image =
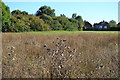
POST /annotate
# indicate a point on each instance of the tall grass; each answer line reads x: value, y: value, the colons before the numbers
x: 25, y: 55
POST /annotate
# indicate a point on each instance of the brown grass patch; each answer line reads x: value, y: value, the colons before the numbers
x: 87, y: 56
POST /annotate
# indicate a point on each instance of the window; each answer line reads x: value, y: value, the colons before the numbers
x: 105, y: 27
x: 100, y: 27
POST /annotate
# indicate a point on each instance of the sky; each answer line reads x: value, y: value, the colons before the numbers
x: 60, y: 0
x: 94, y: 12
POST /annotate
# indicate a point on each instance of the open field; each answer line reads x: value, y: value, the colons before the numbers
x: 72, y: 32
x: 81, y: 55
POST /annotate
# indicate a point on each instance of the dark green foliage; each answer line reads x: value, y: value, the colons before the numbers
x: 81, y: 25
x: 55, y: 25
x: 60, y: 23
x: 67, y: 23
x: 79, y: 18
x: 73, y: 20
x: 25, y: 13
x: 74, y: 15
x: 45, y: 10
x: 71, y: 27
x: 21, y: 23
x: 38, y: 24
x: 6, y: 16
x: 62, y: 15
x: 44, y: 20
x: 112, y: 23
x: 18, y: 24
x: 17, y: 12
x: 114, y: 28
x: 0, y: 16
x: 80, y: 22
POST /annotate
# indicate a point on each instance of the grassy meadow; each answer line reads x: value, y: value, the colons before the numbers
x: 85, y: 54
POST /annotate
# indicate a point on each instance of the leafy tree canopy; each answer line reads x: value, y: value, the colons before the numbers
x: 112, y: 23
x: 79, y: 18
x: 45, y: 10
x: 74, y: 15
x: 6, y: 16
x: 17, y: 12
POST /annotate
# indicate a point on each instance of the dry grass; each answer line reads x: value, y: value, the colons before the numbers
x: 60, y: 56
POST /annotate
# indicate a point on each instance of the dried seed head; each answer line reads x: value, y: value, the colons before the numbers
x: 64, y: 40
x: 101, y: 66
x: 9, y: 54
x: 68, y: 47
x: 74, y: 50
x: 59, y: 66
x: 70, y: 51
x: 13, y: 59
x: 56, y: 51
x: 62, y: 54
x: 65, y: 46
x: 12, y: 51
x: 45, y: 45
x: 12, y: 47
x: 9, y: 48
x: 56, y: 45
x: 48, y: 49
x: 57, y: 38
x: 26, y: 42
x: 53, y: 42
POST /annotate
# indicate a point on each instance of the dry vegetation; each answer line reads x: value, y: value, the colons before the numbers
x: 60, y: 56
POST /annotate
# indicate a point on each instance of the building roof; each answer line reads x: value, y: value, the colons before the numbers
x: 87, y: 24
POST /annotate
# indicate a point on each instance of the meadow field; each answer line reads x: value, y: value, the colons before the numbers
x: 85, y: 54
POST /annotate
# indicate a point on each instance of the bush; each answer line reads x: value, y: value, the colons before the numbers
x: 55, y: 25
x: 67, y: 23
x: 114, y: 28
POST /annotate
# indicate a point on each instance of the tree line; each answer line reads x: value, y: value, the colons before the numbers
x: 43, y: 20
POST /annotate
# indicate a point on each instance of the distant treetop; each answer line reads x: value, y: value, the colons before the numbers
x: 45, y: 10
x: 17, y: 12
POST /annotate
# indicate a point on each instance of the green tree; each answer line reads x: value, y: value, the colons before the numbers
x: 81, y: 25
x: 80, y: 22
x: 45, y: 10
x: 6, y: 16
x: 67, y: 24
x: 73, y: 20
x: 0, y: 16
x: 18, y: 24
x: 74, y: 15
x: 62, y: 15
x: 79, y: 18
x: 46, y: 18
x: 112, y: 23
x: 18, y: 12
x: 38, y: 24
x: 24, y: 13
x: 55, y: 25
